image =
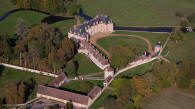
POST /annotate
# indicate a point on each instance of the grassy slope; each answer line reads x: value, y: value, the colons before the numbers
x: 182, y: 50
x: 86, y: 66
x: 170, y: 99
x: 140, y: 12
x: 101, y: 100
x: 13, y: 75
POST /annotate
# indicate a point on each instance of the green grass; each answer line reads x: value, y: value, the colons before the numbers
x: 140, y: 12
x: 139, y: 70
x: 30, y: 18
x: 75, y: 86
x: 131, y: 42
x: 182, y: 51
x: 172, y: 98
x: 5, y: 6
x: 85, y: 65
x: 100, y: 102
x: 8, y: 75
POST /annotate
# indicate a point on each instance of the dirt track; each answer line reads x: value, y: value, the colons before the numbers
x: 102, y: 35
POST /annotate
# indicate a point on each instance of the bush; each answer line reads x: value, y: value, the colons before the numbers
x: 184, y: 23
x: 13, y: 2
x: 191, y: 18
x: 71, y: 67
x: 177, y: 35
x: 178, y: 14
x: 185, y: 82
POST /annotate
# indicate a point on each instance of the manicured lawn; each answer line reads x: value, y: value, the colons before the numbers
x: 8, y: 75
x: 101, y: 101
x: 152, y: 37
x: 172, y: 98
x: 182, y: 51
x: 131, y: 42
x: 85, y: 65
x: 140, y: 12
x: 82, y: 87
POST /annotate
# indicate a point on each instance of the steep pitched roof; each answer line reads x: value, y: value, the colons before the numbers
x: 64, y: 95
x: 93, y: 93
x: 57, y: 81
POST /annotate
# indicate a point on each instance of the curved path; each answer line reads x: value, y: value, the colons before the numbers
x: 102, y: 35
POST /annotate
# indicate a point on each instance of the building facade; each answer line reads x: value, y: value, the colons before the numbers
x: 84, y: 31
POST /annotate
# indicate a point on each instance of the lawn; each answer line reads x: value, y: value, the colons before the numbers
x: 5, y: 6
x: 30, y: 18
x: 131, y: 42
x: 172, y: 98
x: 182, y: 51
x: 85, y: 65
x: 8, y: 75
x: 140, y: 12
x: 82, y: 86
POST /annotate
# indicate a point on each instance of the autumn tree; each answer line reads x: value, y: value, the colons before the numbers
x: 21, y: 29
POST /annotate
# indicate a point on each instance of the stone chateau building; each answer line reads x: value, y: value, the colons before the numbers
x: 97, y: 25
x: 84, y: 32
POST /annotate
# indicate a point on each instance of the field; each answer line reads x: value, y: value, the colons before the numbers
x: 82, y: 87
x: 140, y: 12
x: 5, y: 6
x: 30, y: 18
x: 8, y: 75
x: 172, y: 98
x: 182, y: 51
x: 131, y: 42
x: 85, y: 65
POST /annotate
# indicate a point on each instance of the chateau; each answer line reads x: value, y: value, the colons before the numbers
x: 82, y: 34
x: 97, y: 25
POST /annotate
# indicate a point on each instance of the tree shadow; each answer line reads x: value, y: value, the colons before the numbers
x: 53, y: 19
x: 1, y: 69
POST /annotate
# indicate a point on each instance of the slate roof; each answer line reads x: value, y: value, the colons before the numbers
x: 108, y: 79
x: 109, y: 68
x: 93, y: 93
x: 64, y: 95
x: 81, y: 29
x: 55, y: 83
x: 91, y: 49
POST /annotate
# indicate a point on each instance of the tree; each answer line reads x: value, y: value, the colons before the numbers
x: 191, y: 18
x: 21, y: 29
x: 20, y: 48
x: 69, y: 105
x: 6, y: 45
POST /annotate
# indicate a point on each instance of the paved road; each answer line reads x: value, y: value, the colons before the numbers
x: 94, y: 74
x: 102, y: 35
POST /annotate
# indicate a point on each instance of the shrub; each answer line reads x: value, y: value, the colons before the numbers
x: 191, y: 18
x: 179, y: 14
x: 184, y: 23
x: 177, y: 35
x: 184, y: 82
x: 13, y: 2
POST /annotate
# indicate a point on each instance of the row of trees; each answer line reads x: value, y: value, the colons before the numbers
x: 66, y: 7
x: 38, y: 47
x: 129, y: 93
